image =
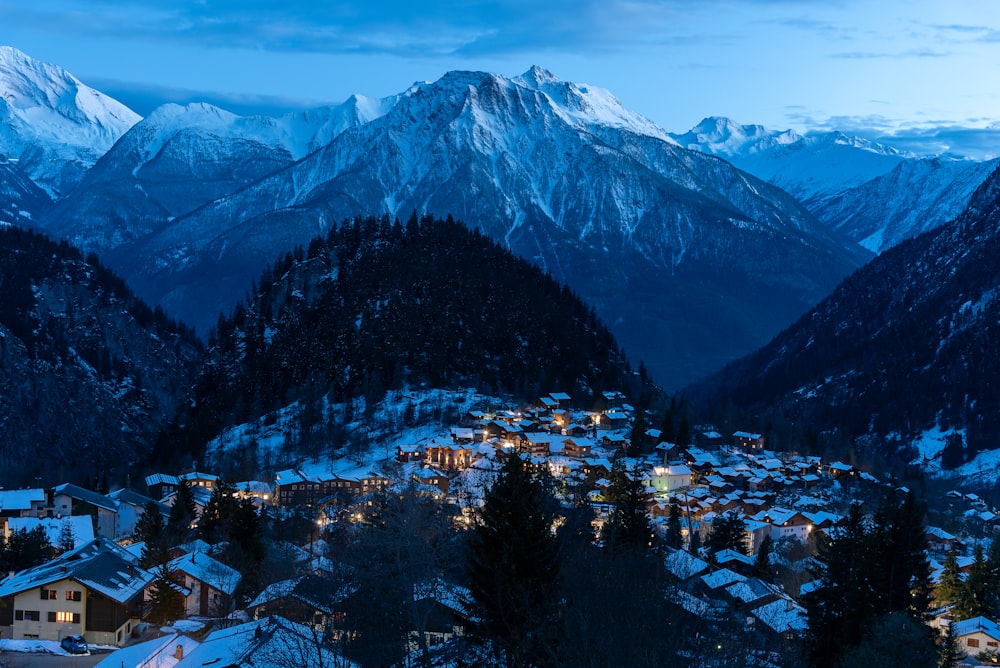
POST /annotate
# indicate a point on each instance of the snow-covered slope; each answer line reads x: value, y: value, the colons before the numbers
x: 666, y: 243
x: 811, y: 168
x: 54, y: 125
x: 182, y: 157
x: 20, y: 199
x: 916, y: 196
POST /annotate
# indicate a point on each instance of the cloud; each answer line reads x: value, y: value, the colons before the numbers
x: 396, y: 27
x: 144, y: 98
x: 909, y: 53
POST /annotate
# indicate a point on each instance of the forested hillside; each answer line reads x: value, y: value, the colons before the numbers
x: 378, y: 305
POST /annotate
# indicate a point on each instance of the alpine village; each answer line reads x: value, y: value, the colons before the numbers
x: 253, y: 415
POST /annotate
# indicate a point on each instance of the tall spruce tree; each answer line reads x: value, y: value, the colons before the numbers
x: 152, y: 533
x: 728, y: 532
x: 674, y: 536
x: 628, y: 527
x: 182, y: 515
x: 513, y: 568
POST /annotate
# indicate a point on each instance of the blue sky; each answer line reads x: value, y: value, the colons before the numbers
x: 921, y: 72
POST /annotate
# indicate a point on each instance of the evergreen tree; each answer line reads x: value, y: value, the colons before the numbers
x: 728, y: 532
x: 513, y: 567
x: 182, y: 515
x: 628, y: 527
x: 24, y: 549
x: 166, y: 602
x: 215, y: 520
x: 951, y: 581
x: 950, y: 655
x: 978, y: 594
x: 674, y: 535
x: 762, y: 567
x: 152, y: 533
x: 637, y: 438
x: 67, y: 537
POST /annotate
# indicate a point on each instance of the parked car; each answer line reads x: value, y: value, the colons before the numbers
x: 74, y: 644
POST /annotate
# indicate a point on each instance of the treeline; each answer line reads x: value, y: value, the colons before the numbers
x: 378, y: 305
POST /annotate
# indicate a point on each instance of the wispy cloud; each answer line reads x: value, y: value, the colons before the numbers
x: 143, y: 98
x: 909, y: 53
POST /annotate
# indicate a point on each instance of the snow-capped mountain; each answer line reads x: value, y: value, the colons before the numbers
x: 55, y: 126
x: 811, y: 168
x: 182, y: 157
x: 916, y: 196
x: 666, y: 243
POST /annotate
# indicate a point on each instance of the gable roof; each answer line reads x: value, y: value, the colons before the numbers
x: 977, y: 625
x: 211, y: 571
x: 100, y: 565
x: 82, y: 527
x: 80, y: 494
x: 20, y: 499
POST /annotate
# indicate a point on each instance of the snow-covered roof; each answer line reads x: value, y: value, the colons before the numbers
x: 100, y: 565
x: 161, y: 479
x: 20, y: 499
x: 211, y: 571
x: 977, y: 625
x: 684, y: 565
x: 82, y: 527
x: 80, y: 494
x: 721, y: 578
x: 750, y: 590
x: 782, y: 616
x: 746, y: 434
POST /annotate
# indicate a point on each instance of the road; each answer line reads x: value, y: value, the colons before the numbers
x: 41, y: 660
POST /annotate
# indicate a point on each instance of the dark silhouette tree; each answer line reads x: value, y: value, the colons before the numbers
x: 513, y: 567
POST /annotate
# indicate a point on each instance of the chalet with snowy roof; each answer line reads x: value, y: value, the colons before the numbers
x: 305, y: 600
x: 720, y: 579
x: 751, y: 593
x: 131, y: 507
x: 683, y: 565
x: 463, y: 435
x: 578, y: 448
x: 208, y: 584
x: 159, y: 485
x: 976, y: 635
x: 536, y: 444
x: 260, y: 491
x: 561, y: 398
x: 734, y: 561
x: 71, y: 499
x: 574, y: 430
x: 787, y: 524
x: 708, y: 437
x: 748, y: 441
x: 782, y: 617
x: 940, y: 541
x: 840, y: 469
x: 95, y: 591
x: 22, y: 503
x: 613, y: 420
x: 200, y: 479
x: 432, y: 477
x: 272, y: 641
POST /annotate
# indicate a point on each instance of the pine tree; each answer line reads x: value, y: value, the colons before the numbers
x: 182, y: 515
x: 67, y: 537
x: 513, y: 567
x: 950, y: 655
x: 166, y: 603
x: 152, y: 533
x: 674, y: 535
x: 215, y: 520
x: 729, y: 532
x: 762, y: 567
x: 951, y: 581
x: 978, y: 594
x: 637, y: 438
x: 628, y: 527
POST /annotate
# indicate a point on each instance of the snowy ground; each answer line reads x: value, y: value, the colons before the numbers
x: 42, y: 646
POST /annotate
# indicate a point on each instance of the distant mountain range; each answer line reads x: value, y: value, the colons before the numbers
x: 873, y: 194
x: 691, y: 261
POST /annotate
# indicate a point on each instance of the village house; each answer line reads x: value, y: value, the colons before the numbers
x: 159, y: 485
x: 666, y: 479
x: 448, y: 456
x: 976, y: 635
x: 208, y: 584
x: 577, y: 448
x: 748, y: 441
x: 22, y: 503
x: 80, y: 528
x: 409, y: 453
x: 71, y: 499
x: 95, y: 591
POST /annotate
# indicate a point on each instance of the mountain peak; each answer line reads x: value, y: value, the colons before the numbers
x: 55, y: 115
x: 537, y: 76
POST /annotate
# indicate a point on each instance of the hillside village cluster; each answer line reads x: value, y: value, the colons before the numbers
x: 94, y: 587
